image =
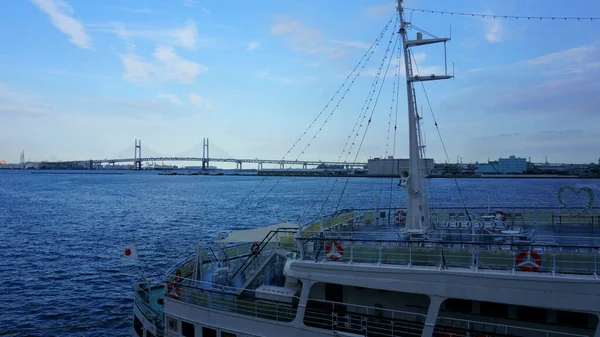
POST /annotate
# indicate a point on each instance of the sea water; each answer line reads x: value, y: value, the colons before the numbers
x: 62, y: 236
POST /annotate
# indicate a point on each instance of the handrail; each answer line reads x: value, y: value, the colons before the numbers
x: 231, y: 299
x: 474, y: 257
x: 464, y: 243
x: 261, y: 246
x: 506, y: 327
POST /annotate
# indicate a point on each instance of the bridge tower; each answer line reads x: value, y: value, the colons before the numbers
x: 137, y: 156
x: 205, y: 154
x: 22, y: 160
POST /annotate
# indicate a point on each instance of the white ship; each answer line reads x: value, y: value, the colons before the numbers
x: 386, y: 272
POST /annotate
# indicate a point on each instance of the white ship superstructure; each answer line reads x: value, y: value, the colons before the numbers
x: 387, y: 272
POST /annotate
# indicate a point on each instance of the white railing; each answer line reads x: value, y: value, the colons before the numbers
x: 444, y: 216
x: 144, y: 306
x: 474, y: 328
x: 216, y: 296
x: 538, y: 259
x: 363, y: 320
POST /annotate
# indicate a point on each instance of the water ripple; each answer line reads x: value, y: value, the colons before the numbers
x: 62, y: 236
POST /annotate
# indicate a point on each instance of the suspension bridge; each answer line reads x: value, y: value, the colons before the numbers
x: 205, y: 160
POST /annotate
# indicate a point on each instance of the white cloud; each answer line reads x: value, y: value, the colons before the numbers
x: 266, y: 74
x: 187, y: 36
x: 172, y: 98
x: 578, y: 60
x: 14, y: 102
x: 310, y: 40
x: 190, y: 3
x: 253, y: 45
x: 385, y: 9
x: 144, y: 10
x: 198, y: 101
x: 352, y: 43
x: 493, y: 30
x: 166, y: 66
x: 61, y: 15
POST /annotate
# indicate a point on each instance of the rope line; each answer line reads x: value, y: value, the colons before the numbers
x: 364, y: 110
x: 397, y: 89
x: 389, y: 131
x: 393, y: 50
x: 71, y: 326
x: 442, y: 142
x: 360, y: 116
x: 496, y: 16
x: 365, y: 55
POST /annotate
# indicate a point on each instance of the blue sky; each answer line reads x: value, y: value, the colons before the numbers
x: 83, y: 79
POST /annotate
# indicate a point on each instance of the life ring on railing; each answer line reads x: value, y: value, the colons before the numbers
x: 502, y: 214
x: 254, y: 248
x: 529, y: 260
x: 400, y: 215
x: 449, y: 333
x: 178, y: 277
x: 334, y: 251
x: 173, y: 290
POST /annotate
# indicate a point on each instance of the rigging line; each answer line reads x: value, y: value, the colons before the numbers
x: 387, y: 141
x: 443, y: 144
x: 397, y: 89
x: 370, y: 118
x: 422, y: 147
x: 71, y: 326
x: 496, y: 16
x: 368, y: 55
x: 366, y: 106
x: 422, y: 31
x: 361, y: 115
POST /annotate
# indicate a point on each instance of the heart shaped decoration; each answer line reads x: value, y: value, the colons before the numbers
x: 587, y: 190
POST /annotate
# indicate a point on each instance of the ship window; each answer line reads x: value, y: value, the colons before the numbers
x: 456, y: 305
x: 531, y: 314
x: 576, y: 319
x: 208, y: 332
x: 138, y: 326
x: 188, y: 329
x: 172, y: 323
x: 494, y: 309
x: 228, y: 334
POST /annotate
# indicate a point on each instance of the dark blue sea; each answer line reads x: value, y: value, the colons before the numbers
x: 62, y: 236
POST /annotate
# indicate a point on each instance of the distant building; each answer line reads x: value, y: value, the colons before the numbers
x: 512, y: 165
x: 487, y: 168
x: 393, y: 167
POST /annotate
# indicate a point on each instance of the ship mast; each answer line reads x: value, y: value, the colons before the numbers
x: 417, y: 213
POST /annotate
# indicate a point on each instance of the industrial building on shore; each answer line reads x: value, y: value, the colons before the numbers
x: 394, y: 167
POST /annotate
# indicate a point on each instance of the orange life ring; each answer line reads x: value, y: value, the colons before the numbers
x: 334, y: 251
x: 178, y: 277
x: 173, y: 290
x: 254, y: 248
x: 449, y: 333
x: 529, y: 260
